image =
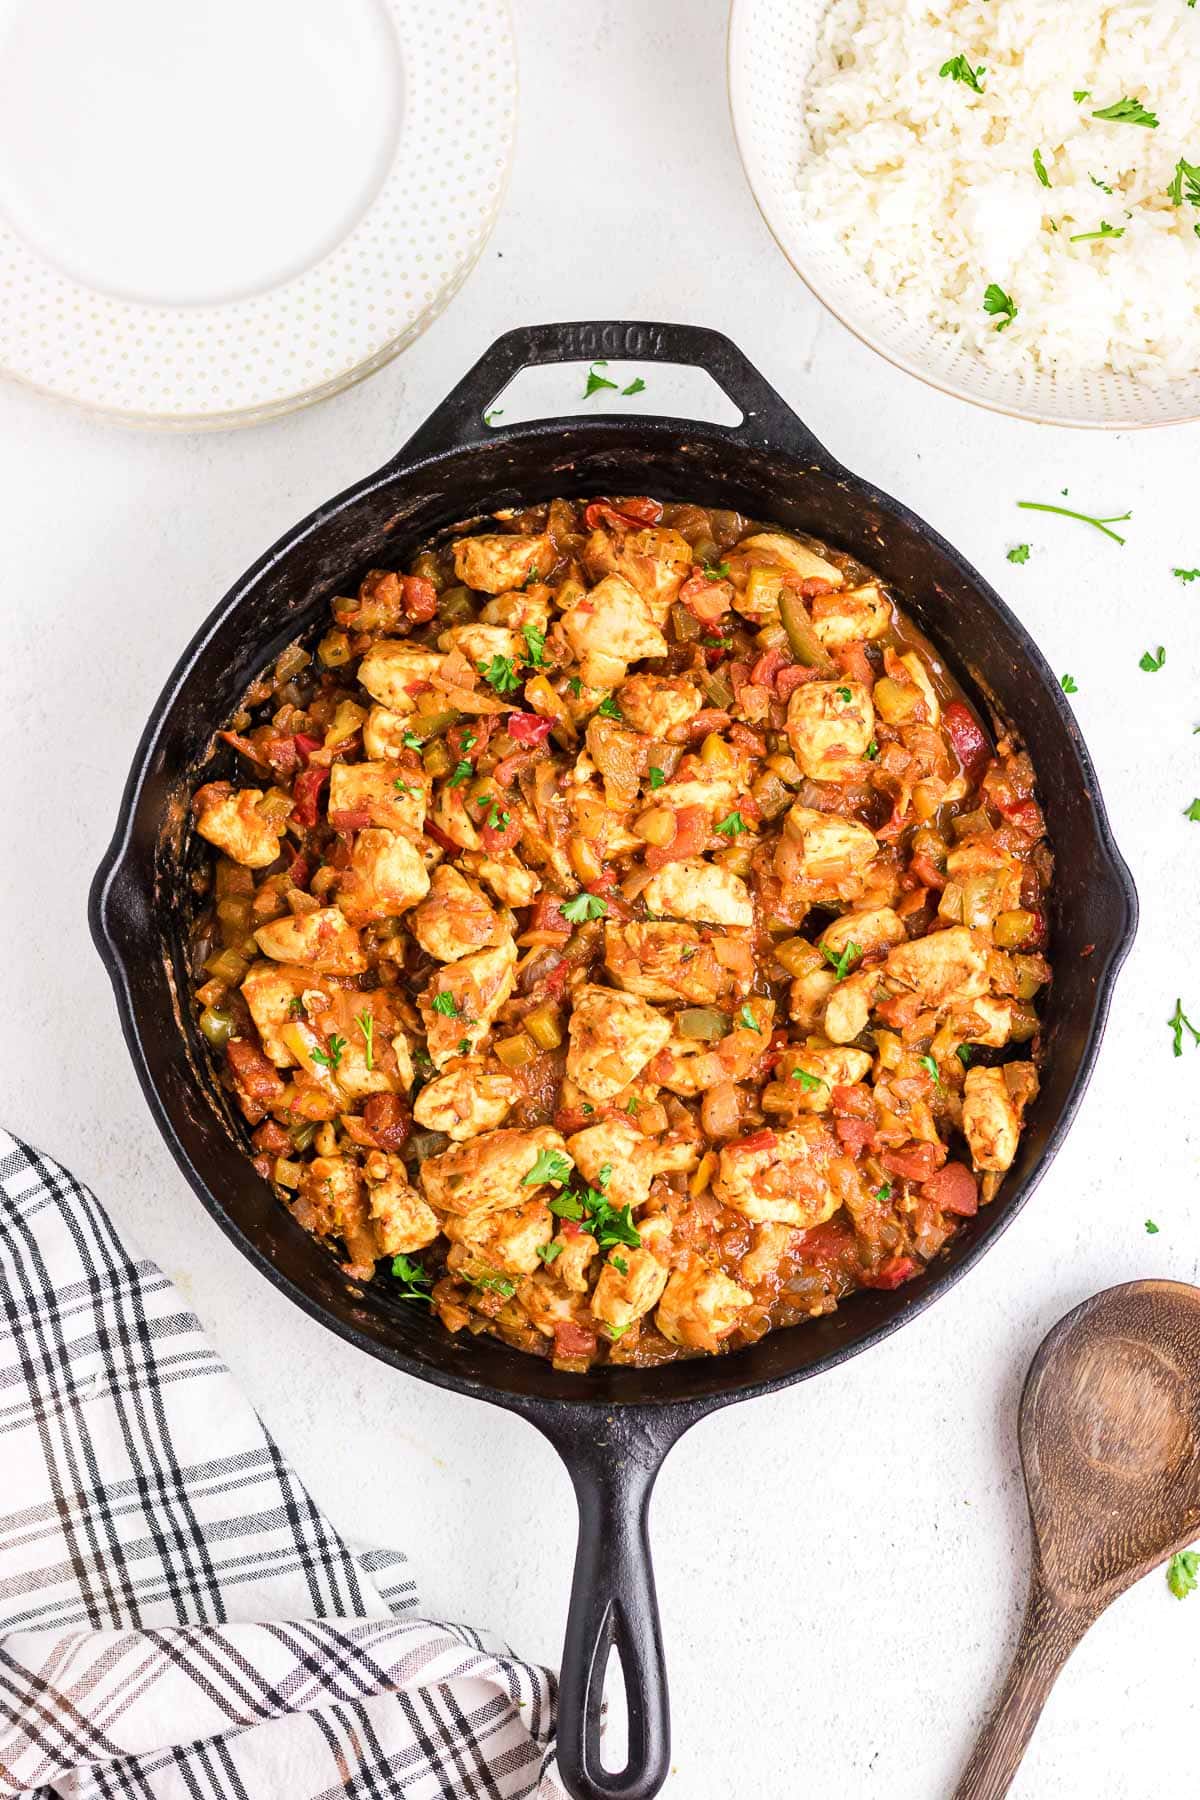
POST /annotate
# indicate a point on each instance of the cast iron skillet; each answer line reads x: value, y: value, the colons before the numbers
x: 614, y: 1427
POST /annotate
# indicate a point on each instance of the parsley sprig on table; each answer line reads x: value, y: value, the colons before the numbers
x: 596, y: 382
x: 1179, y: 1023
x: 1068, y: 684
x: 1066, y: 512
x: 1149, y: 660
x: 1181, y: 1573
x: 1019, y: 553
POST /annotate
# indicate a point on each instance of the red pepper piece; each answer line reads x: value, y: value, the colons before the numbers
x: 528, y: 728
x: 968, y: 738
x: 306, y: 792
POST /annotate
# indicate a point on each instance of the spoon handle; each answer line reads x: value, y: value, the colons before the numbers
x: 1049, y: 1633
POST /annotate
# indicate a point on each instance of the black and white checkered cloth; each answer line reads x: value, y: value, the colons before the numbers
x: 177, y: 1619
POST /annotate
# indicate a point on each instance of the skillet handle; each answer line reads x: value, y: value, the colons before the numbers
x: 613, y: 1462
x: 458, y: 422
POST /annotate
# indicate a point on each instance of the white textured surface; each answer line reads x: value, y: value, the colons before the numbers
x: 840, y: 1567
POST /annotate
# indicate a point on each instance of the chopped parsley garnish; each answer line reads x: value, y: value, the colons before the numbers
x: 1106, y: 231
x: 496, y: 1284
x: 551, y: 1165
x: 566, y: 1205
x: 501, y: 675
x: 809, y: 1083
x: 1081, y: 94
x: 731, y: 826
x: 1185, y: 184
x: 295, y: 1007
x: 1193, y: 812
x: 1068, y: 684
x: 464, y: 1046
x: 631, y: 1106
x: 871, y: 751
x: 613, y: 1332
x: 494, y: 819
x: 884, y: 1193
x: 715, y: 571
x: 636, y: 386
x: 1151, y: 1228
x: 619, y: 1264
x: 959, y: 69
x: 931, y: 1069
x: 401, y: 786
x: 1084, y: 518
x: 1019, y: 553
x: 535, y: 644
x: 842, y: 965
x: 1149, y: 661
x: 366, y: 1024
x: 446, y: 1004
x: 463, y: 771
x: 1127, y: 112
x: 412, y: 1275
x: 411, y: 741
x: 1102, y: 185
x: 596, y: 382
x: 657, y: 778
x: 1040, y: 169
x: 844, y: 695
x: 575, y: 685
x: 1179, y: 1022
x: 1186, y: 574
x: 331, y: 1056
x: 549, y: 1251
x: 747, y: 1019
x: 965, y: 1053
x: 608, y: 708
x: 497, y: 412
x: 583, y: 906
x: 999, y: 305
x: 1181, y: 1573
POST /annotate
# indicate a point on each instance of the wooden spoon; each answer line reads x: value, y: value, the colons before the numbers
x: 1110, y: 1444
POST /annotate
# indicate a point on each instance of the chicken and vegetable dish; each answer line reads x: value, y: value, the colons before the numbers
x: 622, y: 935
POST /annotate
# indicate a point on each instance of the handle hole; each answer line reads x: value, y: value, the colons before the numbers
x: 614, y: 1716
x: 558, y: 390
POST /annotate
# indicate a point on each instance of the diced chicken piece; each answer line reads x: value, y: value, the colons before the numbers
x: 507, y: 1240
x: 767, y: 1252
x: 690, y: 1067
x: 621, y: 755
x: 454, y: 918
x: 321, y: 940
x: 631, y: 1283
x: 548, y: 1302
x: 576, y: 1249
x: 697, y: 783
x: 872, y: 931
x: 387, y: 875
x: 383, y: 735
x: 231, y: 820
x: 388, y: 1065
x: 393, y: 673
x: 991, y: 1022
x: 849, y: 1006
x: 946, y: 965
x: 516, y: 610
x: 700, y: 1306
x: 273, y: 993
x: 618, y: 1146
x: 697, y: 890
x: 655, y: 561
x: 391, y: 800
x: 666, y: 962
x: 488, y: 1172
x: 984, y: 882
x: 608, y: 629
x: 919, y: 675
x: 830, y: 849
x: 851, y: 615
x: 783, y: 552
x: 656, y: 705
x: 825, y: 1066
x: 466, y: 1100
x: 808, y: 995
x: 496, y: 562
x: 403, y: 1221
x: 780, y: 1176
x: 511, y: 882
x: 479, y: 643
x: 463, y: 998
x: 450, y: 815
x: 829, y: 726
x: 613, y: 1035
x: 990, y: 1121
x: 332, y: 1204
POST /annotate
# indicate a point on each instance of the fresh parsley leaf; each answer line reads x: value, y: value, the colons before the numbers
x: 366, y: 1024
x: 596, y: 382
x: 1068, y: 684
x: 1019, y: 553
x: 575, y: 685
x: 464, y: 1046
x: 1186, y: 574
x: 493, y: 819
x: 295, y: 1007
x: 808, y: 1083
x: 636, y: 386
x: 871, y: 751
x: 1193, y: 812
x: 959, y: 69
x: 1084, y: 518
x: 583, y: 906
x: 1181, y: 1573
x: 715, y: 571
x: 608, y: 708
x: 446, y: 1004
x: 411, y: 741
x: 501, y: 675
x: 619, y: 1264
x: 631, y: 1106
x: 1106, y: 231
x: 549, y: 1251
x: 412, y: 1275
x: 1151, y: 1228
x: 604, y: 1177
x: 550, y: 1165
x: 657, y: 778
x: 535, y: 644
x: 884, y: 1193
x: 1081, y: 94
x: 1102, y: 185
x: 731, y: 826
x: 999, y: 305
x: 931, y: 1069
x: 566, y: 1205
x: 331, y: 1056
x: 613, y: 1332
x: 496, y: 1284
x: 463, y: 771
x: 401, y: 786
x: 1127, y: 112
x: 1179, y: 1022
x: 965, y: 1053
x: 844, y: 695
x: 1149, y: 661
x: 1040, y: 169
x: 842, y: 965
x: 610, y: 1225
x: 747, y: 1020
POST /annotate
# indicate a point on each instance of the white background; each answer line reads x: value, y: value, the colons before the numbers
x: 841, y: 1567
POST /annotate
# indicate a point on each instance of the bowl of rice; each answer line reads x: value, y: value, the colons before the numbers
x: 1000, y: 196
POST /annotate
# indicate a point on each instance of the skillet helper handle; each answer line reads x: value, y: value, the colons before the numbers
x: 459, y: 421
x: 1049, y: 1633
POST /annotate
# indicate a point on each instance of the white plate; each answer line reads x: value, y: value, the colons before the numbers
x: 771, y: 48
x: 213, y: 213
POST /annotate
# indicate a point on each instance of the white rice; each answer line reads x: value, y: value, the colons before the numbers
x: 931, y: 188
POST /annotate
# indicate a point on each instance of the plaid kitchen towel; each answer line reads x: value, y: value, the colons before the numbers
x: 177, y: 1619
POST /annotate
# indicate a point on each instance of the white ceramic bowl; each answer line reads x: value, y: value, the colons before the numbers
x: 771, y: 48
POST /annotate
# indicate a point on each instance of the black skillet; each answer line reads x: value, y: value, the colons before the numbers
x: 614, y: 1427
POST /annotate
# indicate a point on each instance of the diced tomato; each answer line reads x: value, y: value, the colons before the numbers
x: 926, y: 872
x: 852, y: 660
x: 953, y: 1190
x: 301, y: 872
x: 271, y: 1136
x: 632, y: 514
x: 388, y: 1119
x: 255, y: 1076
x: 745, y: 739
x: 692, y: 831
x: 509, y: 767
x: 828, y: 1245
x: 1026, y: 815
x: 899, y: 1010
x: 968, y: 738
x: 917, y: 1163
x: 706, y: 600
x: 713, y: 718
x: 501, y: 836
x: 813, y: 585
x: 439, y: 836
x: 855, y: 1102
x: 764, y: 671
x: 470, y: 738
x: 350, y: 818
x: 306, y: 792
x: 527, y: 728
x: 282, y: 754
x: 893, y: 1273
x: 760, y: 1140
x: 856, y: 1134
x: 547, y: 915
x: 568, y: 1120
x: 792, y: 677
x: 306, y: 744
x: 572, y: 1340
x: 420, y: 598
